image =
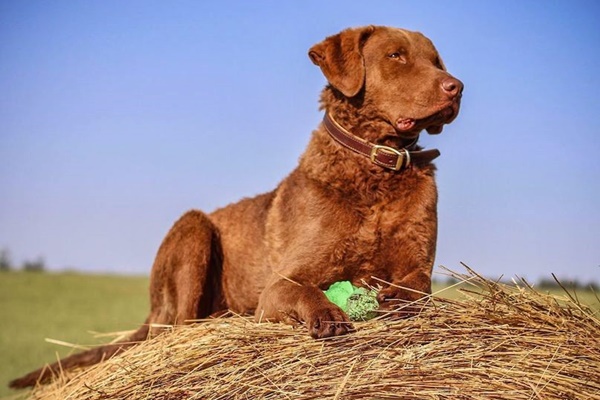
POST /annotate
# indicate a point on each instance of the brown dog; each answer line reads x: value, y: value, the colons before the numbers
x: 361, y: 203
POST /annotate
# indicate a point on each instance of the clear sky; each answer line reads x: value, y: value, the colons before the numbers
x: 118, y: 116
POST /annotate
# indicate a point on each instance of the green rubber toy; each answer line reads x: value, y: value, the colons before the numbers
x: 359, y: 304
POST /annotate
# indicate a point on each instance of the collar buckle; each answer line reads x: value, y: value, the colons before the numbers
x: 402, y: 157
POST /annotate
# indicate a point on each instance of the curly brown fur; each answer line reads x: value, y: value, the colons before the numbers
x: 337, y: 216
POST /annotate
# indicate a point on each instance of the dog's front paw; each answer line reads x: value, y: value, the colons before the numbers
x: 327, y: 322
x: 402, y: 302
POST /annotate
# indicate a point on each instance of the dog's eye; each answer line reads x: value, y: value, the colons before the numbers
x: 398, y: 56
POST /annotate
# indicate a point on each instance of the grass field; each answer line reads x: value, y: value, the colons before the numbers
x: 68, y: 306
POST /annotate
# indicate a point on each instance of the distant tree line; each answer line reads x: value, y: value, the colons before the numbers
x: 37, y: 265
x: 549, y: 283
x: 542, y: 284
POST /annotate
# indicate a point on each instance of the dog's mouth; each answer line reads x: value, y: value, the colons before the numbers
x: 434, y: 123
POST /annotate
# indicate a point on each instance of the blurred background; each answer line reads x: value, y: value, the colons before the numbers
x: 116, y: 116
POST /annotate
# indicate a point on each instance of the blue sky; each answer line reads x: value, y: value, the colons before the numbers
x: 118, y: 116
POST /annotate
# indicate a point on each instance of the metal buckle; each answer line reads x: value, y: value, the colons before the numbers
x: 403, y: 159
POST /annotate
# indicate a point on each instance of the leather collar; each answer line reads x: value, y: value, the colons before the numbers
x: 384, y: 156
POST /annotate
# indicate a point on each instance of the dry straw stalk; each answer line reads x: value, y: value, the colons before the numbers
x: 498, y: 342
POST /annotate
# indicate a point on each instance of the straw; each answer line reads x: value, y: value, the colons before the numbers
x: 499, y: 341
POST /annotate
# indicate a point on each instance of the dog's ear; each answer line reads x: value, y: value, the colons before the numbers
x: 341, y: 61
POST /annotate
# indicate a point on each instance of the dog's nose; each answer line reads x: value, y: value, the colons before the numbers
x: 452, y: 87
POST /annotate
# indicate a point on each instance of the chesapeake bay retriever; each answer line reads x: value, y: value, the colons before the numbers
x: 361, y: 203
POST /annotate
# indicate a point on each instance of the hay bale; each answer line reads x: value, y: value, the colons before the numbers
x: 500, y: 342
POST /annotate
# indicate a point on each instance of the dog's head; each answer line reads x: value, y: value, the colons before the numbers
x: 397, y: 72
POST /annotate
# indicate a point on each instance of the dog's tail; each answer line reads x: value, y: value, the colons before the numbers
x: 84, y: 359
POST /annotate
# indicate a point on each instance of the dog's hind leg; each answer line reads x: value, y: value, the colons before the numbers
x: 185, y: 280
x: 184, y: 285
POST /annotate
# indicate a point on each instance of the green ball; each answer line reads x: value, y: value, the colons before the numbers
x: 339, y: 292
x: 362, y: 305
x: 359, y: 303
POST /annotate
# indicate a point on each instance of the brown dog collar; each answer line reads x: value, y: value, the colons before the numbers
x: 384, y: 156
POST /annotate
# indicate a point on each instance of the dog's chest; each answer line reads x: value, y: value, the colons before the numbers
x: 364, y: 249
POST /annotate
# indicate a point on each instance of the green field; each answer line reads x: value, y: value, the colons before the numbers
x: 66, y: 307
x: 69, y: 306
